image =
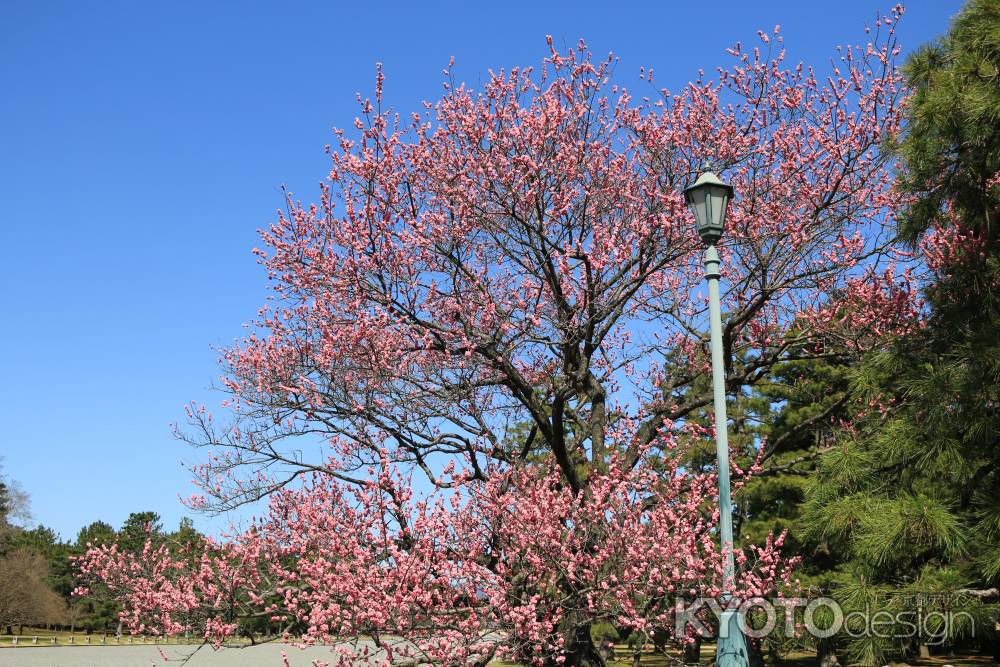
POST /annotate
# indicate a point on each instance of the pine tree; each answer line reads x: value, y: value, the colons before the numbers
x: 908, y: 499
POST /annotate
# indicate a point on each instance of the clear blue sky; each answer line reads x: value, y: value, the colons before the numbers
x: 143, y: 143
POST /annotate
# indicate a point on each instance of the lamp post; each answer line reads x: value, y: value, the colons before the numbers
x: 709, y: 199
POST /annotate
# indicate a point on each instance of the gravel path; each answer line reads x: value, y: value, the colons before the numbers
x: 265, y: 655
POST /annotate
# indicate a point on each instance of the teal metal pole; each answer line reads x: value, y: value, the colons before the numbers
x: 731, y: 648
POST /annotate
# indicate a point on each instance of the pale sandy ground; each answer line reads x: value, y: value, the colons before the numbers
x: 265, y: 655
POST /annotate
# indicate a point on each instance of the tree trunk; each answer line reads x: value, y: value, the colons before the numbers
x: 925, y: 652
x: 692, y: 651
x: 579, y: 647
x: 826, y: 656
x: 754, y: 652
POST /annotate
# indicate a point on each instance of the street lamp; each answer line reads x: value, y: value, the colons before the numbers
x: 709, y: 199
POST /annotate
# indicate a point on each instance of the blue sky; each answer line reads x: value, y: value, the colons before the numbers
x: 142, y: 145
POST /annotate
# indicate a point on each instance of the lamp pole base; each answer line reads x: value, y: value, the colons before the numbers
x: 731, y: 647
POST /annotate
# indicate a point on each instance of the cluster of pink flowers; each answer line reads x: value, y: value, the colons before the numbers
x: 951, y: 245
x: 488, y: 571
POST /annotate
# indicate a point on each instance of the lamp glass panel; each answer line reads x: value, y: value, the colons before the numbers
x: 719, y: 197
x: 699, y: 205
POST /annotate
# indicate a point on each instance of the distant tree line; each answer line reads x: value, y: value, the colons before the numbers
x: 37, y: 576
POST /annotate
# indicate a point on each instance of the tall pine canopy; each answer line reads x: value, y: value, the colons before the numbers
x: 910, y: 499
